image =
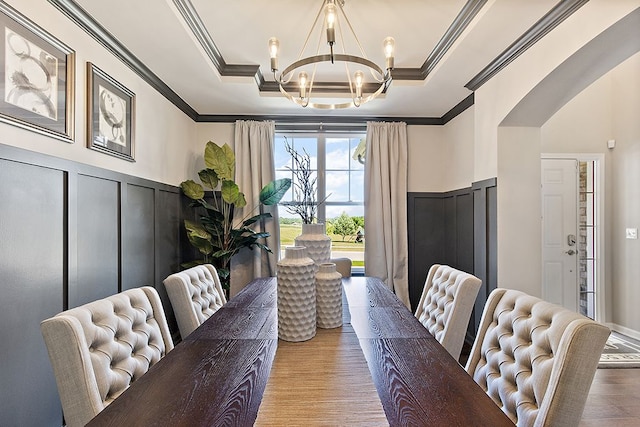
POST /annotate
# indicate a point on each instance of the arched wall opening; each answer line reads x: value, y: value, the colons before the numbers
x: 519, y: 149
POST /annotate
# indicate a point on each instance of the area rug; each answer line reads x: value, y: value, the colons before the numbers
x: 620, y: 352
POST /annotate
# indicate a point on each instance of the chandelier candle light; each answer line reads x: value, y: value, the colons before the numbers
x: 355, y: 83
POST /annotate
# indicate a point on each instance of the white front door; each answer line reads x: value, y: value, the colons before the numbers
x: 559, y: 232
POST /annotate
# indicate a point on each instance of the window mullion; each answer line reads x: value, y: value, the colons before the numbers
x: 322, y: 167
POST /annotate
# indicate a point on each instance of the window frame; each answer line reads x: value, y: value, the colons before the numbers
x: 321, y: 167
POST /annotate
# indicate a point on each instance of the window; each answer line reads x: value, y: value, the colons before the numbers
x: 340, y: 183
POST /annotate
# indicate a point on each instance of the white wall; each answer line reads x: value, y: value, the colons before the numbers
x: 161, y: 130
x: 519, y: 240
x: 441, y: 157
x: 626, y: 196
x: 426, y: 166
x: 497, y: 97
x: 610, y: 109
x: 584, y: 125
x: 458, y: 147
x: 519, y: 226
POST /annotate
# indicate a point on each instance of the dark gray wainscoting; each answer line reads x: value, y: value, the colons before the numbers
x: 457, y: 228
x: 70, y: 234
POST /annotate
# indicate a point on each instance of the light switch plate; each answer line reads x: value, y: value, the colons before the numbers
x: 632, y: 233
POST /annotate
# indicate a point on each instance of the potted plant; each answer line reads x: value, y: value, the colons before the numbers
x: 218, y: 236
x: 313, y: 235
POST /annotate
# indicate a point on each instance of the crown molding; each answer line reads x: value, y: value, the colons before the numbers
x: 457, y: 27
x: 220, y: 118
x: 298, y: 119
x: 85, y: 21
x: 548, y: 22
x: 553, y: 18
x: 199, y: 30
x: 458, y: 109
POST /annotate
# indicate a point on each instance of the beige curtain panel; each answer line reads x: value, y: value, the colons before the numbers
x: 254, y: 145
x: 385, y: 206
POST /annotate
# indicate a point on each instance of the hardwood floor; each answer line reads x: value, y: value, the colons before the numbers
x: 614, y: 399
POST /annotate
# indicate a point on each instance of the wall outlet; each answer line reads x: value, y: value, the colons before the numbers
x: 632, y: 233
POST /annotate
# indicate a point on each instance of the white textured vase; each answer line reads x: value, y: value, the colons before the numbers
x: 316, y: 241
x: 296, y: 295
x: 328, y: 296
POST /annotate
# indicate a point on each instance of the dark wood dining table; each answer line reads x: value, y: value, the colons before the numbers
x: 218, y: 375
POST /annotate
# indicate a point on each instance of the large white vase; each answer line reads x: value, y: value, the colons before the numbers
x: 296, y: 295
x: 316, y: 241
x: 328, y: 296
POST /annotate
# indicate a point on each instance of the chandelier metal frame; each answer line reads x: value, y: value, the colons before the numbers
x: 382, y: 78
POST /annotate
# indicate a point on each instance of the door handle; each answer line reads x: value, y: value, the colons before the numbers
x: 571, y: 252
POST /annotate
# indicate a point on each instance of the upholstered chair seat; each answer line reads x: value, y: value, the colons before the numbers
x: 98, y: 349
x: 536, y: 360
x: 195, y: 294
x: 446, y: 303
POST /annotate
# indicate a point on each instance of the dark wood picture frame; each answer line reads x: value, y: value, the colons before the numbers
x: 37, y: 77
x: 110, y: 115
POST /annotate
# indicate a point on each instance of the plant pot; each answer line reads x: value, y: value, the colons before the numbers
x: 316, y: 241
x: 296, y: 295
x: 328, y: 296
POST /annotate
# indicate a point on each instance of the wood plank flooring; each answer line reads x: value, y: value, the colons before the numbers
x: 614, y: 399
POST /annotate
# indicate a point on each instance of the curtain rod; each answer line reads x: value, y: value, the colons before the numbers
x: 321, y: 127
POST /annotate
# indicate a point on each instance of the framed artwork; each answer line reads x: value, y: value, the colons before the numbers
x: 37, y: 74
x: 110, y: 115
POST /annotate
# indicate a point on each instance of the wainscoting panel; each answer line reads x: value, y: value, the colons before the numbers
x: 98, y: 240
x: 70, y: 234
x: 32, y: 275
x: 168, y: 243
x: 485, y: 204
x: 464, y: 232
x: 426, y: 218
x: 138, y: 236
x: 457, y: 228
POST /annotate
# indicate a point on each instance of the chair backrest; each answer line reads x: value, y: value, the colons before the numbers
x: 98, y: 349
x: 343, y: 266
x: 535, y: 359
x: 446, y: 304
x: 195, y: 294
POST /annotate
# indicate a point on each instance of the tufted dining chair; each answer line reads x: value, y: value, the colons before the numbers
x: 195, y: 294
x: 98, y: 349
x: 446, y: 303
x: 536, y: 360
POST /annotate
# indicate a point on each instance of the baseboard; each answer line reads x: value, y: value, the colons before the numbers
x: 625, y: 331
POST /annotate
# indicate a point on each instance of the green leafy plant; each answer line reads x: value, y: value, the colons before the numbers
x: 217, y: 236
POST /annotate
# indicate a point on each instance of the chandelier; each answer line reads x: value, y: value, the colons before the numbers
x: 360, y: 88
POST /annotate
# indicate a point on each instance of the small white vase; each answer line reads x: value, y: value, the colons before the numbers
x: 296, y: 295
x: 316, y: 241
x: 328, y: 296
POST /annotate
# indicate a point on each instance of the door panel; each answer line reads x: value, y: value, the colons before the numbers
x: 559, y: 222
